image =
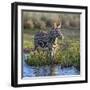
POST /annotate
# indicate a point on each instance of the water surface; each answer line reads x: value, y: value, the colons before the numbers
x: 51, y: 70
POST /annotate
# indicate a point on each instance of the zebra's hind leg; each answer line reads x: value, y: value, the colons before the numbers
x: 36, y: 50
x: 48, y: 54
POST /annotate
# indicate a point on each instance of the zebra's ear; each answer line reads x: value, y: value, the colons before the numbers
x: 55, y: 25
x: 59, y: 26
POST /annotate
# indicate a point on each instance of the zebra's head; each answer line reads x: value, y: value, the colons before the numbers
x: 56, y: 32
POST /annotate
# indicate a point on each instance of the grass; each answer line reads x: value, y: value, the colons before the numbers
x: 68, y: 53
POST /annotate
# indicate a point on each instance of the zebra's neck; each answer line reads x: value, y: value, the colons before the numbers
x: 52, y: 40
x: 51, y: 36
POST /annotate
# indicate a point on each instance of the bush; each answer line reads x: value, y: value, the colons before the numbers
x: 39, y: 24
x: 28, y: 24
x: 38, y: 59
x: 45, y: 20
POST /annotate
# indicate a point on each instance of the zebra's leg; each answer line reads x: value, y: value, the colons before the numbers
x: 38, y: 51
x: 48, y: 54
x: 51, y: 56
x: 54, y: 52
x: 43, y: 51
x: 35, y: 48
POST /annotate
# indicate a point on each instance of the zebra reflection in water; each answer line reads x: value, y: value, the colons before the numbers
x: 51, y: 70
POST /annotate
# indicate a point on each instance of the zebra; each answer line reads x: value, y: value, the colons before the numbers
x: 48, y: 40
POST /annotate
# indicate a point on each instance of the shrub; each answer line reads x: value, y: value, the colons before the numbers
x: 39, y: 24
x: 46, y: 20
x: 28, y: 24
x: 38, y: 59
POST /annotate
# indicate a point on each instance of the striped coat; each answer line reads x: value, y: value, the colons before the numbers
x: 46, y: 39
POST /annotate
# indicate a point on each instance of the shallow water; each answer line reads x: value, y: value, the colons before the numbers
x: 51, y: 70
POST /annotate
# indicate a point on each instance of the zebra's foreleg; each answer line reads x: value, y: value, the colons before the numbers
x: 48, y: 54
x: 51, y: 56
x: 52, y: 53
